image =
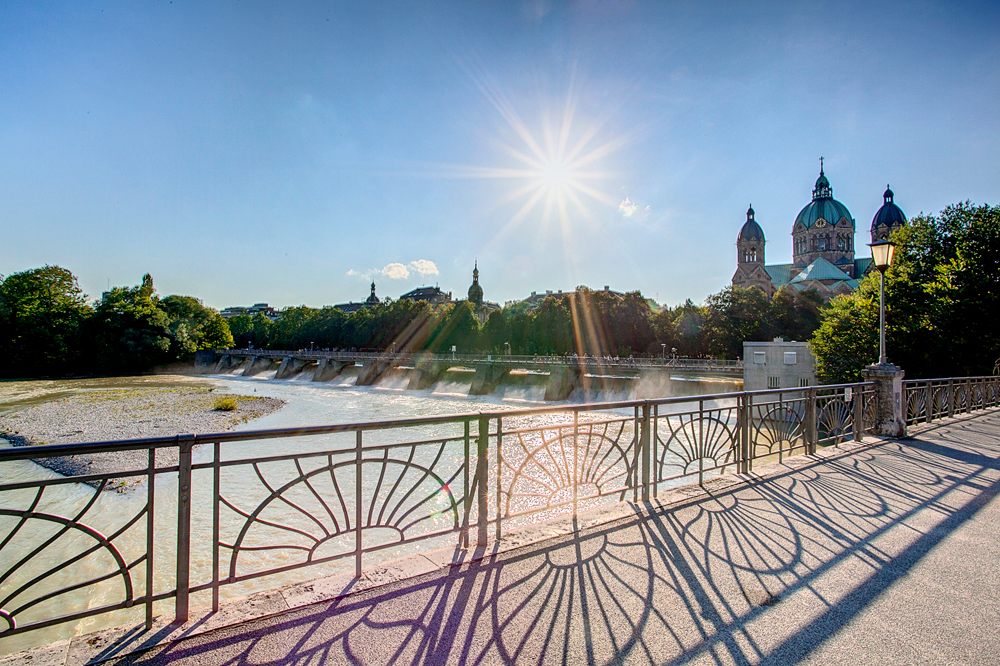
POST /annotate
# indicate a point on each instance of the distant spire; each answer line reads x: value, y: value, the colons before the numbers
x: 821, y: 165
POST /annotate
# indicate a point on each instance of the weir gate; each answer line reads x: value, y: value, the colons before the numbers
x: 564, y: 374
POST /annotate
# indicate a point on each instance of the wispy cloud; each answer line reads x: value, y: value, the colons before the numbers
x: 424, y: 267
x: 629, y: 208
x: 352, y: 272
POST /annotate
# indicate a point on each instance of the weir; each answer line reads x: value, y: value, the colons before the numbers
x: 561, y: 375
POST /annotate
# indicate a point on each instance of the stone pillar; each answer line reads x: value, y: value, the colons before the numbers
x: 890, y: 421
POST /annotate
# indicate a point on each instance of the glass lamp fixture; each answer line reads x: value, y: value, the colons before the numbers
x: 882, y: 253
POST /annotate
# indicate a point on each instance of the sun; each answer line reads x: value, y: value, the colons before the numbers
x: 556, y: 176
x: 555, y: 165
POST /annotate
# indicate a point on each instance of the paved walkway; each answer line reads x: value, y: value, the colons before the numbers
x: 885, y: 554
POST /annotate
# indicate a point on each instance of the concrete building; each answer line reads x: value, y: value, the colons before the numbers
x: 777, y: 364
x: 254, y: 309
x: 822, y: 246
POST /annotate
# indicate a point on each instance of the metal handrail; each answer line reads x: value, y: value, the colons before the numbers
x: 435, y: 480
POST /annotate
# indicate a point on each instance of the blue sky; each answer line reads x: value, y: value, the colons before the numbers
x: 289, y: 152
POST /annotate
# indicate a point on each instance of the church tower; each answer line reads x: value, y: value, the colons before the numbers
x: 750, y: 271
x: 475, y: 291
x: 888, y: 218
x: 372, y: 300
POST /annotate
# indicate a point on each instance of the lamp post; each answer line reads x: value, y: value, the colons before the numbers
x: 664, y: 345
x: 882, y: 252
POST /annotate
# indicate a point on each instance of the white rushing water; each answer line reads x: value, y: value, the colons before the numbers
x: 308, y: 403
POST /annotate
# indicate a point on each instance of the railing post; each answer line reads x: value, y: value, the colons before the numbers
x: 751, y: 443
x: 184, y: 445
x: 358, y: 546
x: 812, y: 435
x: 951, y: 398
x: 645, y: 449
x: 467, y: 501
x: 858, y: 407
x: 482, y: 470
x: 929, y: 402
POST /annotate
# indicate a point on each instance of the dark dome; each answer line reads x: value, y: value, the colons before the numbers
x: 751, y: 231
x: 889, y: 214
x: 823, y: 206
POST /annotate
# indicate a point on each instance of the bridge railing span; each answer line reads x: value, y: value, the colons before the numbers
x: 220, y: 514
x: 930, y: 399
x: 644, y: 362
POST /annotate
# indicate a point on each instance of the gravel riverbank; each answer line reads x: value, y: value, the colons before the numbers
x: 128, y: 413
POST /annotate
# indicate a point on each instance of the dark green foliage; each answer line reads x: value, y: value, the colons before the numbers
x: 46, y: 327
x: 942, y: 302
x: 42, y: 318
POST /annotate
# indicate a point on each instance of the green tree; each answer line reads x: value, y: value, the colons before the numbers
x: 194, y: 327
x: 942, y: 302
x: 130, y: 331
x: 796, y: 313
x: 247, y: 330
x: 43, y: 314
x: 734, y: 316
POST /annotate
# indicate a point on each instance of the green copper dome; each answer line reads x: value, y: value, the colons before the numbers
x: 823, y: 206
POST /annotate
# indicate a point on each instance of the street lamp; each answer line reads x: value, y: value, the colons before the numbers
x: 882, y: 252
x: 664, y: 345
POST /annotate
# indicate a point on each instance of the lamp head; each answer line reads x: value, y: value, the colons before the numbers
x: 882, y: 253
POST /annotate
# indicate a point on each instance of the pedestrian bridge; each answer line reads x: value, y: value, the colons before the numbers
x: 822, y: 543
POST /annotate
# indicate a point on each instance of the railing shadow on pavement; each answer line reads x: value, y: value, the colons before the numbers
x: 667, y: 587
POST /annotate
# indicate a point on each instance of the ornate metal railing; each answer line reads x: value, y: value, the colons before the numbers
x: 194, y: 514
x: 930, y: 399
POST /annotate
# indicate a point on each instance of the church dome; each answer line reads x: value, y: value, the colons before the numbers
x: 823, y: 206
x: 751, y: 231
x: 889, y: 214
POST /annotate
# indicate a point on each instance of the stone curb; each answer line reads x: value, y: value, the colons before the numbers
x: 117, y: 642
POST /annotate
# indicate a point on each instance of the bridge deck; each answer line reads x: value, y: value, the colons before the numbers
x: 880, y: 552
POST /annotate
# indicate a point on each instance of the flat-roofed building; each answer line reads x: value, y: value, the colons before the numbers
x: 777, y: 364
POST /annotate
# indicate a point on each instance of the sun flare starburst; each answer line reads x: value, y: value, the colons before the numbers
x: 557, y: 165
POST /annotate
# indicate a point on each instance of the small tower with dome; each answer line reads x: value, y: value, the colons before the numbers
x: 475, y: 291
x: 372, y: 299
x: 888, y: 218
x: 750, y: 270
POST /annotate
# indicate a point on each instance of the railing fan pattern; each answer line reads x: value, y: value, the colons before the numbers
x: 196, y: 514
x: 930, y: 399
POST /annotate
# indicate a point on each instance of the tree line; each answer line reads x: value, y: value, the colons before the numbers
x: 48, y: 327
x: 595, y: 323
x: 942, y: 295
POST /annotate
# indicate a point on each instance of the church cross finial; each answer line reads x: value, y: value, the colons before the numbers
x: 821, y: 164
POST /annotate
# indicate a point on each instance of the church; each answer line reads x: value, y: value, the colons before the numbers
x: 822, y: 246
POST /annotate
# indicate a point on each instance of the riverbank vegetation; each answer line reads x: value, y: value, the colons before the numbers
x: 48, y: 327
x: 942, y: 295
x: 943, y: 318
